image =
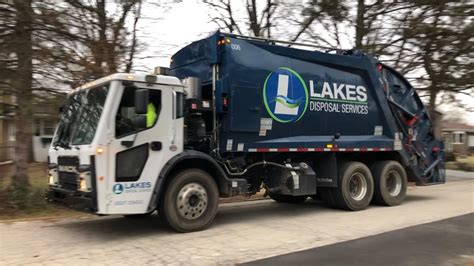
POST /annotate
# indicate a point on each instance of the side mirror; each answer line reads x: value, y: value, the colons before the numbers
x: 141, y: 101
x: 139, y: 121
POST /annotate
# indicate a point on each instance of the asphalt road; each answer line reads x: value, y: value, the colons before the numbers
x: 242, y: 232
x: 446, y: 242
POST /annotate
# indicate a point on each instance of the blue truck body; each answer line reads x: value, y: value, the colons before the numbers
x: 270, y: 98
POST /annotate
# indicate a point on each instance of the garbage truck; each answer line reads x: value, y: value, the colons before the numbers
x: 237, y: 115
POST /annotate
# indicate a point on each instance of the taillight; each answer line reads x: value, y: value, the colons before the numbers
x: 411, y: 121
x: 379, y: 67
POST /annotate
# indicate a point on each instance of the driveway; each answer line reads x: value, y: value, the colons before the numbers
x: 242, y: 232
x: 445, y: 242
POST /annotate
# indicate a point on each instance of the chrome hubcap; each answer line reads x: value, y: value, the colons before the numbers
x: 357, y: 186
x: 394, y: 183
x: 192, y: 201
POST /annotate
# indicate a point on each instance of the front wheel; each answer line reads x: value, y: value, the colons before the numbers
x: 190, y: 201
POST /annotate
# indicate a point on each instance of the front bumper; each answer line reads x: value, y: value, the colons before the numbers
x: 72, y: 199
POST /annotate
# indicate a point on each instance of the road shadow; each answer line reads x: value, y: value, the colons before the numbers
x: 411, y: 198
x: 112, y: 228
x: 268, y: 211
x: 118, y: 227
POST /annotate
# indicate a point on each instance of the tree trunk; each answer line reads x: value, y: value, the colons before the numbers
x: 360, y: 26
x: 269, y: 14
x: 23, y: 83
x: 101, y: 53
x: 253, y: 20
x: 133, y: 47
x: 434, y: 115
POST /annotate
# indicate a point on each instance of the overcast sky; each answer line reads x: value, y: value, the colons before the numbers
x: 166, y: 30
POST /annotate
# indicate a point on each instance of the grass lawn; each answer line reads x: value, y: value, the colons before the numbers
x: 462, y: 164
x: 39, y: 181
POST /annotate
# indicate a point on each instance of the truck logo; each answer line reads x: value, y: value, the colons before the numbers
x: 285, y: 95
x: 132, y: 187
x: 68, y: 169
x: 118, y: 189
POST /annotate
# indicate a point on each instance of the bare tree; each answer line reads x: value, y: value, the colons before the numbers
x: 224, y: 15
x: 23, y: 48
x: 257, y: 19
x: 441, y: 41
x: 46, y: 46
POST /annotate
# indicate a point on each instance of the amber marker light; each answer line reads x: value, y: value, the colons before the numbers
x: 100, y: 150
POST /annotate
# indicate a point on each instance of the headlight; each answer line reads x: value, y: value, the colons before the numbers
x: 83, y: 185
x: 84, y: 182
x: 53, y: 177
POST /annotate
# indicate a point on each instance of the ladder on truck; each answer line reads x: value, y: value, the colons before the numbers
x: 325, y: 49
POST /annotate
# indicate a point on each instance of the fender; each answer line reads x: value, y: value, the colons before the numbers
x: 227, y: 187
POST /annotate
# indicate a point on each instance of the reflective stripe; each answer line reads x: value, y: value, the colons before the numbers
x: 316, y: 149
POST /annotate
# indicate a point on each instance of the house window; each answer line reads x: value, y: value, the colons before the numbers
x: 11, y: 131
x: 44, y: 127
x: 470, y: 140
x: 458, y: 137
x: 48, y: 127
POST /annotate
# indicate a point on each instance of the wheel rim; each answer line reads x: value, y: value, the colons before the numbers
x: 357, y: 186
x: 394, y: 183
x: 192, y: 201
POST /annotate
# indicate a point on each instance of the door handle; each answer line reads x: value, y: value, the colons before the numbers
x: 156, y: 146
x: 127, y: 143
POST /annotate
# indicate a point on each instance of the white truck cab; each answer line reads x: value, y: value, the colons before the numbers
x: 111, y: 146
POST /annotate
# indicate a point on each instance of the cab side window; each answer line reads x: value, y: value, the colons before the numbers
x: 126, y: 112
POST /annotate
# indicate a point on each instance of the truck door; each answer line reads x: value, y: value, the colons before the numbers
x: 136, y: 155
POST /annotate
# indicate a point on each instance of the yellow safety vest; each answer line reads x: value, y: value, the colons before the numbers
x: 150, y: 115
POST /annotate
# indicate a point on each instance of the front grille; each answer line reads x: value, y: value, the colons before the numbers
x: 67, y: 180
x: 67, y: 172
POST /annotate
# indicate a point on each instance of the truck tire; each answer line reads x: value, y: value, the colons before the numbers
x: 355, y: 187
x: 190, y: 201
x: 390, y: 183
x: 287, y: 198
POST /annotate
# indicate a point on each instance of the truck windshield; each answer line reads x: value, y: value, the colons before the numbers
x: 80, y: 116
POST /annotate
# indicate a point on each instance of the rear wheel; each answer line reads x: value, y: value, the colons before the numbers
x: 287, y: 198
x: 355, y: 187
x: 390, y: 182
x: 190, y: 201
